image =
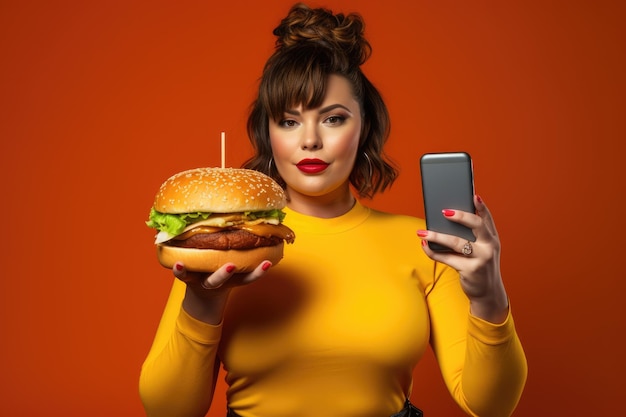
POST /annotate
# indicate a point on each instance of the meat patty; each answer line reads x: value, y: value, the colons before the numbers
x: 226, y: 240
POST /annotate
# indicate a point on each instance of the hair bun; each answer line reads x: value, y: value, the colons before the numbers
x: 323, y: 28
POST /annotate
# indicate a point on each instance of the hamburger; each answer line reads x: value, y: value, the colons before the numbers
x: 206, y: 217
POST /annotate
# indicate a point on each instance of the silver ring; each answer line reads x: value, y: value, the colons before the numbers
x: 467, y: 249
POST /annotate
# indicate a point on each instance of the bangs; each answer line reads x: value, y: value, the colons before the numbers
x: 294, y: 79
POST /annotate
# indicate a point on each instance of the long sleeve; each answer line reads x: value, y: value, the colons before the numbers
x: 483, y: 364
x: 335, y: 329
x: 178, y: 376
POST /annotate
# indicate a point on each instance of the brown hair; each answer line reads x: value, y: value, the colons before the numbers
x: 311, y: 45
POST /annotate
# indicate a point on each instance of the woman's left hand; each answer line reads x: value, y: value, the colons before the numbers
x: 477, y: 262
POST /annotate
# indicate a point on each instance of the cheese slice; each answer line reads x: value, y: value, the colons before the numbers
x: 215, y: 223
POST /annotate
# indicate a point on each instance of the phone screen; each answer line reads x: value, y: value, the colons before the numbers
x: 447, y: 183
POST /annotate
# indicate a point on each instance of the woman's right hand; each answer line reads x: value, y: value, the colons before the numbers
x: 222, y: 278
x: 206, y: 294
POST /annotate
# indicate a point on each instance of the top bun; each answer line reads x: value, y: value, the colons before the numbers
x: 219, y: 190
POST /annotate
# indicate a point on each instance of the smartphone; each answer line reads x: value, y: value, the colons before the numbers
x: 447, y: 183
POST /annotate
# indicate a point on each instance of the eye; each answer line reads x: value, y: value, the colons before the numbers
x: 335, y: 120
x: 287, y: 123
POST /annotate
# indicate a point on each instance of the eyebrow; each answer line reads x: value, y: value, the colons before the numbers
x: 322, y: 110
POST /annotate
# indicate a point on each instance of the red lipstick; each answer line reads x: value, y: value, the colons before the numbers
x: 312, y: 166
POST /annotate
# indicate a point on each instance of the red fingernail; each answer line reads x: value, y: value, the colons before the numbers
x: 230, y: 268
x: 424, y: 243
x: 179, y: 267
x: 422, y: 233
x: 266, y: 266
x: 448, y: 212
x: 480, y: 200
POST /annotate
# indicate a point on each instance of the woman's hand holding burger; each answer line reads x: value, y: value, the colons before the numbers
x: 206, y: 294
x: 218, y: 228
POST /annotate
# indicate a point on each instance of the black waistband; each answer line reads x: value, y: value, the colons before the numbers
x: 409, y: 410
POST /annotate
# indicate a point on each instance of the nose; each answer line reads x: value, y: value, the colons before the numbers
x: 311, y: 139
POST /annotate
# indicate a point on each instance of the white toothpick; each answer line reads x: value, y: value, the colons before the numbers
x: 223, y: 150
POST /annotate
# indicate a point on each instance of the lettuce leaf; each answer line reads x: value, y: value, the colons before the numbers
x: 267, y: 214
x: 174, y: 224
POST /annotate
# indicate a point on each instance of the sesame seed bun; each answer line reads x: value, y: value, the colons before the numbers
x: 209, y: 260
x: 222, y: 191
x: 219, y: 190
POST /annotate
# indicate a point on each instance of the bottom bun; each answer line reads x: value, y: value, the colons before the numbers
x: 209, y: 260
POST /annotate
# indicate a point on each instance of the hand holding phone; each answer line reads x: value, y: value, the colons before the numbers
x: 447, y: 183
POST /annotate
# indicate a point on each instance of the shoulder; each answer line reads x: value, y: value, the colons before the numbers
x: 399, y: 220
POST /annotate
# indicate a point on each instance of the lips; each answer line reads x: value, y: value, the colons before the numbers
x: 312, y: 166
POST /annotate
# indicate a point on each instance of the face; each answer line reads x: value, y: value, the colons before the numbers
x: 315, y: 149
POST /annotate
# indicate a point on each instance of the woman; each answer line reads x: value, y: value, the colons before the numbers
x: 337, y: 327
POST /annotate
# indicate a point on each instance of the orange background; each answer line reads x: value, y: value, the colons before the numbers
x: 103, y: 100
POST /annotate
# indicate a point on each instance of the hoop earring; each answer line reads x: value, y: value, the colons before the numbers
x: 369, y: 165
x: 277, y: 177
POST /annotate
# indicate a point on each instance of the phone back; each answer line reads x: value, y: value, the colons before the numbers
x: 447, y: 183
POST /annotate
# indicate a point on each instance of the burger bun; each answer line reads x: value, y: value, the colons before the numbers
x: 210, y: 260
x: 219, y: 190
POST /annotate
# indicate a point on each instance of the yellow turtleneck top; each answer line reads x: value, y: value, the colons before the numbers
x: 335, y: 329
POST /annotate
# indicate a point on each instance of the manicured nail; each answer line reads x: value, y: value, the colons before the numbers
x: 480, y: 200
x: 448, y: 212
x: 230, y: 268
x: 266, y: 266
x: 178, y: 266
x: 422, y: 233
x: 424, y: 243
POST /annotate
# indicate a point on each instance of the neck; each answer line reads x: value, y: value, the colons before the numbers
x: 325, y: 206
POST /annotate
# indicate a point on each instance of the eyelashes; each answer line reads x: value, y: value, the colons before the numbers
x: 334, y: 120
